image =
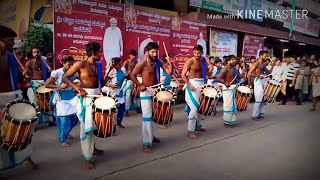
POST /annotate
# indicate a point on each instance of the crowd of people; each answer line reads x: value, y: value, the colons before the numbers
x: 77, y: 84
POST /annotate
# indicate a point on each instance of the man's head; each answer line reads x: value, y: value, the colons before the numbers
x: 242, y: 58
x: 50, y: 56
x: 67, y: 62
x: 211, y: 60
x: 231, y: 60
x: 303, y: 63
x: 293, y: 59
x: 238, y: 66
x: 304, y: 58
x: 94, y: 50
x: 36, y: 53
x: 263, y: 55
x: 7, y: 36
x: 152, y: 49
x: 132, y: 54
x: 252, y: 59
x: 218, y: 63
x: 298, y: 59
x: 278, y: 62
x: 197, y: 52
x: 116, y: 63
x: 312, y: 57
x: 201, y: 35
x: 21, y: 53
x: 113, y: 23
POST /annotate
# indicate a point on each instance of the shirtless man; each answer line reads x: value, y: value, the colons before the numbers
x: 38, y: 70
x: 150, y: 72
x: 10, y: 68
x: 90, y: 75
x: 196, y: 79
x: 129, y: 66
x: 227, y: 77
x: 259, y: 83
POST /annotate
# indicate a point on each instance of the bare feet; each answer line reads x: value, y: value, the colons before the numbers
x: 121, y: 126
x: 139, y: 111
x: 216, y: 115
x: 89, y: 165
x: 201, y: 129
x: 33, y: 165
x: 162, y: 127
x: 70, y: 137
x: 228, y: 126
x: 146, y: 149
x: 127, y: 114
x: 156, y: 140
x: 192, y: 136
x: 64, y: 144
x: 311, y: 110
x: 98, y: 152
x: 255, y: 119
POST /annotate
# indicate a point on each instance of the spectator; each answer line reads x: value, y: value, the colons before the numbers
x: 301, y: 80
x: 277, y: 71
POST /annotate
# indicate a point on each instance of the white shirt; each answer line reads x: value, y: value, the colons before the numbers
x: 285, y: 68
x: 277, y: 73
x: 58, y: 74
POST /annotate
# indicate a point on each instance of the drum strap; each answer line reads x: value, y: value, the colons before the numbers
x: 204, y: 69
x: 14, y: 69
x: 158, y: 70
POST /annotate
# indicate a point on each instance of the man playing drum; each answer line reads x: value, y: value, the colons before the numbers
x: 199, y: 69
x: 39, y: 71
x: 228, y: 77
x: 150, y: 71
x: 9, y: 70
x: 259, y: 83
x: 128, y: 84
x: 65, y: 113
x: 90, y: 75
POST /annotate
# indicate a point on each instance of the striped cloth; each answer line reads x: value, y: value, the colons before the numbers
x: 293, y: 67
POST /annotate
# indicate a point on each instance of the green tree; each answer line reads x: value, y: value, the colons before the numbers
x: 38, y: 36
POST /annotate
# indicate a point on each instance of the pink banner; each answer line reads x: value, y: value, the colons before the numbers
x: 78, y: 22
x: 252, y: 45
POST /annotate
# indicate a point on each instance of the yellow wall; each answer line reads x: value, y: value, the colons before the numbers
x: 15, y: 14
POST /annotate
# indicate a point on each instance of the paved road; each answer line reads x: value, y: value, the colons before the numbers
x: 284, y: 145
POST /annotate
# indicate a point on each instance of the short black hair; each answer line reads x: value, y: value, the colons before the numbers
x: 198, y: 48
x: 20, y: 50
x: 152, y: 45
x: 67, y: 59
x: 6, y: 32
x: 292, y: 56
x: 211, y: 57
x: 217, y: 61
x: 263, y: 52
x: 252, y: 57
x: 36, y: 47
x: 228, y: 58
x: 133, y: 52
x: 92, y: 47
x: 116, y: 61
x: 224, y: 57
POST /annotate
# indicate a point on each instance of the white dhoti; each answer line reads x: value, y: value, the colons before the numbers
x: 147, y: 123
x: 229, y: 105
x: 258, y: 108
x: 10, y: 160
x: 316, y: 90
x: 127, y: 90
x: 87, y: 123
x: 192, y: 99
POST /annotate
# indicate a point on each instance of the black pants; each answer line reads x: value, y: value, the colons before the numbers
x: 290, y: 92
x: 25, y: 93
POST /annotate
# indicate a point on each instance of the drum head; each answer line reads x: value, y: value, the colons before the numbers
x: 104, y: 103
x: 22, y: 111
x: 164, y: 96
x: 139, y: 79
x: 174, y: 84
x: 210, y: 92
x: 43, y: 89
x: 244, y: 89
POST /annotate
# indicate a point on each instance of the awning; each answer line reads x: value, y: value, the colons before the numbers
x: 234, y: 25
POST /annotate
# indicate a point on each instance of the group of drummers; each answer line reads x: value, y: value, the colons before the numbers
x: 83, y: 92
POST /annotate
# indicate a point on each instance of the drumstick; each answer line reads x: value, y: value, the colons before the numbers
x: 156, y: 85
x: 233, y: 79
x: 165, y: 49
x: 22, y: 67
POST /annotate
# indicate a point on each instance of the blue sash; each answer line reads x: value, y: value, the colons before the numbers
x: 158, y: 70
x: 236, y: 73
x: 266, y: 71
x: 100, y: 75
x: 45, y: 70
x: 67, y: 94
x: 204, y: 69
x: 135, y: 62
x: 120, y: 78
x: 167, y: 82
x: 14, y: 70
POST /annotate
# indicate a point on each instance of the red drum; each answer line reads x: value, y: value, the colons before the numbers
x: 163, y: 102
x: 244, y: 95
x: 209, y: 96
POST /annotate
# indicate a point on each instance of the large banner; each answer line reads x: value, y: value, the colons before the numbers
x: 15, y: 15
x: 223, y: 43
x: 78, y: 22
x: 185, y: 35
x: 252, y: 45
x: 142, y: 27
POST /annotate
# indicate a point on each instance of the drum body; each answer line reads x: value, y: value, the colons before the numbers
x: 43, y: 97
x: 174, y: 87
x: 209, y: 96
x: 271, y: 91
x: 105, y: 109
x: 163, y: 103
x: 136, y: 90
x: 244, y: 95
x: 20, y: 120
